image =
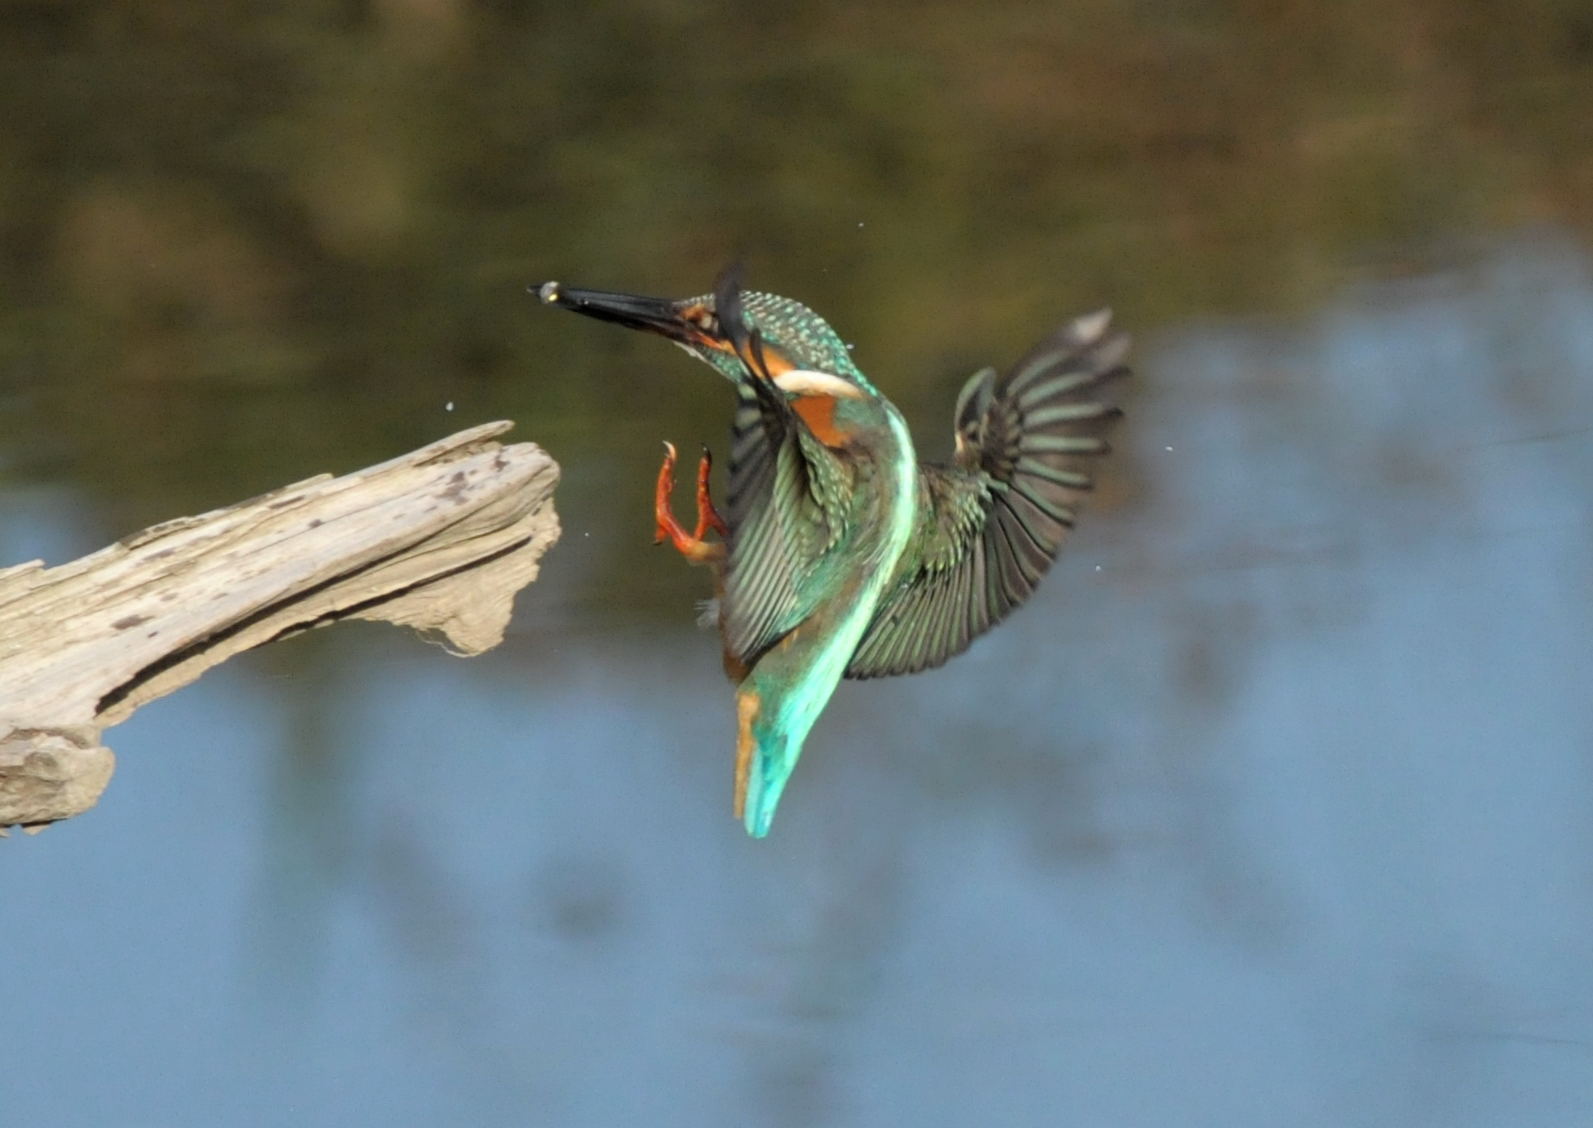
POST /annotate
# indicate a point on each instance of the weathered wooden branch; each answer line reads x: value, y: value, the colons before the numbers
x: 438, y: 540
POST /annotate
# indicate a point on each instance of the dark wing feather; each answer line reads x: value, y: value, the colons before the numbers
x: 786, y: 495
x: 996, y: 517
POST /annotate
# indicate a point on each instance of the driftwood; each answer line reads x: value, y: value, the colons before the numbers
x: 438, y: 540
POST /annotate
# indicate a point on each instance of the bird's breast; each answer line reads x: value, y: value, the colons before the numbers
x: 818, y: 413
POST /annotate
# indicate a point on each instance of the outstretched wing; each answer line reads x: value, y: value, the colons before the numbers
x: 787, y: 497
x: 996, y: 517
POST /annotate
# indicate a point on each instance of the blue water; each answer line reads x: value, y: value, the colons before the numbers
x: 1275, y: 807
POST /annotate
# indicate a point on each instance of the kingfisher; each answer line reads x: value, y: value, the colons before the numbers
x: 841, y: 554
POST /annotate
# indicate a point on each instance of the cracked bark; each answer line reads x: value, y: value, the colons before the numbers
x: 439, y: 540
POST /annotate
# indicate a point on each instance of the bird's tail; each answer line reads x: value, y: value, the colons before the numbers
x: 764, y: 759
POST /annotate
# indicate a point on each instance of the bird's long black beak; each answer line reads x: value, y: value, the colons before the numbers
x: 656, y: 315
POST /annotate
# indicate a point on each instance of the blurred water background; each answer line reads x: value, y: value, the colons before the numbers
x: 1274, y: 808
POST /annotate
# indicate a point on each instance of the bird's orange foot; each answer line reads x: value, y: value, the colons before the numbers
x: 690, y: 545
x: 707, y: 516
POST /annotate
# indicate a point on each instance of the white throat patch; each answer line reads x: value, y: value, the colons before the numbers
x: 807, y: 382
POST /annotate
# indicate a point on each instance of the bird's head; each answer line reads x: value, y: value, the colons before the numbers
x: 736, y: 331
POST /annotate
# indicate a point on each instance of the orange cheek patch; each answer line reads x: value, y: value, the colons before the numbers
x: 818, y: 412
x: 703, y: 340
x: 776, y: 362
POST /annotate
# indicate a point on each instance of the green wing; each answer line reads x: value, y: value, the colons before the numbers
x: 788, y: 494
x: 996, y: 517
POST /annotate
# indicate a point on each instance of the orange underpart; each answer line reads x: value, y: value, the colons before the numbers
x: 747, y: 706
x: 735, y: 669
x: 818, y: 412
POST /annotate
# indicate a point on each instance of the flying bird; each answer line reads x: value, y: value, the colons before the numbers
x: 841, y: 553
